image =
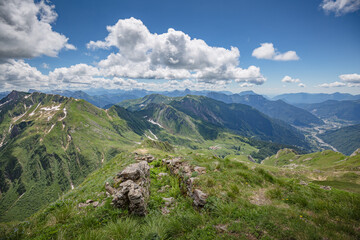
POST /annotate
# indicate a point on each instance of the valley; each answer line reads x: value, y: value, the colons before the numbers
x: 255, y: 174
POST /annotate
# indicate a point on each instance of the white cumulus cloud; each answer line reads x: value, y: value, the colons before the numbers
x: 267, y: 51
x: 15, y: 74
x: 340, y: 7
x: 288, y: 79
x: 301, y: 85
x: 170, y: 55
x: 333, y: 84
x: 350, y: 78
x: 26, y: 32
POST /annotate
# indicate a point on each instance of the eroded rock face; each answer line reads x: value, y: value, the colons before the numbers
x: 184, y: 172
x: 133, y: 189
x: 149, y: 158
x: 356, y: 152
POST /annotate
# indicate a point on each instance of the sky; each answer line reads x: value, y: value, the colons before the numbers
x: 270, y: 47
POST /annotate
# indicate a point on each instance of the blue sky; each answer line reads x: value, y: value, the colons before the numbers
x: 323, y: 35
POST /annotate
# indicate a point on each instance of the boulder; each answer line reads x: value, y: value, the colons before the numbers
x: 169, y: 201
x: 199, y: 198
x: 303, y: 183
x: 133, y: 191
x: 200, y: 170
x: 162, y: 174
x: 326, y: 187
x: 184, y: 171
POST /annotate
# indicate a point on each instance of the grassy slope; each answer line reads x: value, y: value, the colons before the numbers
x: 247, y: 200
x: 46, y: 156
x: 324, y: 168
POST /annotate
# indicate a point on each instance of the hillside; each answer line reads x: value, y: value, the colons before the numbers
x: 309, y: 98
x: 275, y: 109
x: 338, y: 110
x: 245, y: 200
x: 49, y: 144
x: 239, y: 118
x: 323, y: 168
x: 346, y: 139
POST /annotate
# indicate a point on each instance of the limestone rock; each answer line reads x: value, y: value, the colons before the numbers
x: 199, y: 198
x: 163, y: 188
x: 356, y: 152
x: 326, y: 187
x: 251, y: 159
x: 303, y: 183
x: 162, y: 174
x: 169, y: 201
x: 133, y: 191
x: 200, y: 170
x: 184, y: 171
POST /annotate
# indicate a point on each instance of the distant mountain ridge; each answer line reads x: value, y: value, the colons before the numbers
x: 295, y: 98
x: 275, y: 109
x: 106, y: 98
x: 343, y: 110
x: 240, y: 118
x: 346, y: 139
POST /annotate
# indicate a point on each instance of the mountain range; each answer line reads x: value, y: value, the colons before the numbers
x: 348, y: 110
x: 309, y: 98
x: 240, y: 118
x: 51, y: 143
x: 58, y: 155
x: 345, y: 139
x: 275, y: 109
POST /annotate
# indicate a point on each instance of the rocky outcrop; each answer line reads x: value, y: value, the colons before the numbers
x: 325, y: 187
x: 184, y: 171
x: 133, y: 188
x: 149, y: 158
x: 251, y: 159
x: 356, y: 152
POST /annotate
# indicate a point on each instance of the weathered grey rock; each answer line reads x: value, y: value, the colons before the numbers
x: 199, y: 198
x: 89, y: 201
x: 162, y: 174
x: 326, y: 187
x: 95, y: 204
x: 149, y: 158
x: 251, y: 159
x: 356, y: 152
x: 303, y: 183
x: 183, y: 170
x: 169, y: 201
x: 165, y: 211
x: 163, y: 188
x: 81, y: 205
x: 109, y: 189
x: 133, y: 191
x: 200, y: 170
